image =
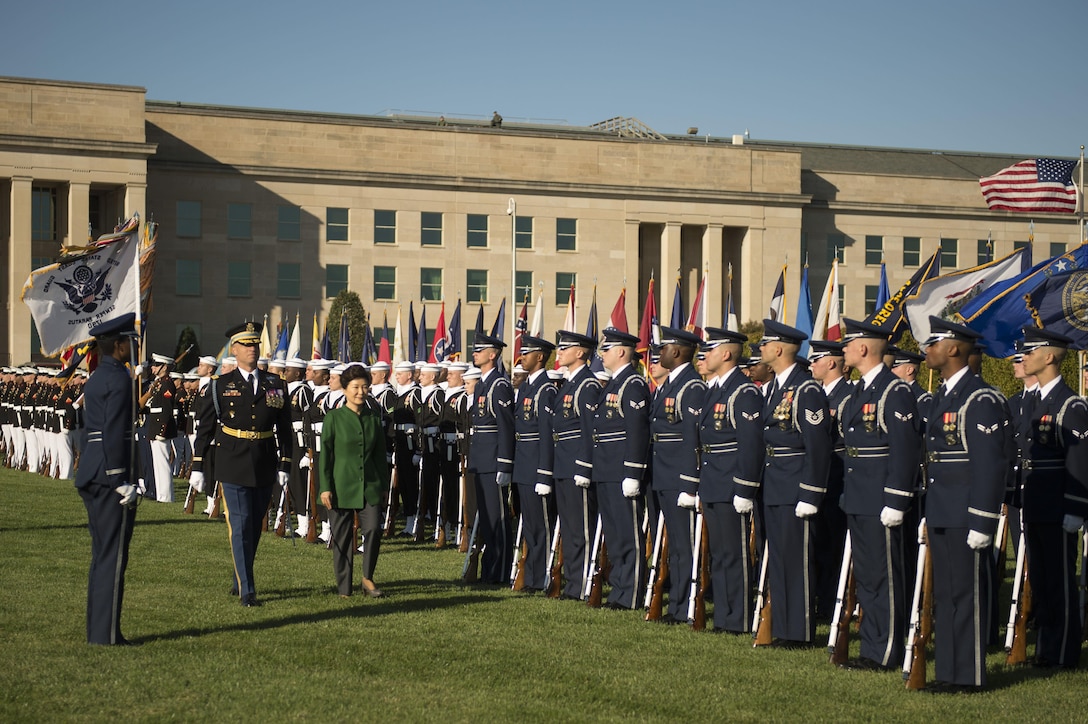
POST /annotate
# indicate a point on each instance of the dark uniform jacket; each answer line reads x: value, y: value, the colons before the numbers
x: 621, y: 428
x: 731, y: 434
x: 492, y: 415
x: 107, y: 400
x: 674, y: 427
x: 797, y: 438
x: 159, y: 421
x: 572, y: 425
x: 1055, y: 457
x: 253, y: 437
x: 533, y: 446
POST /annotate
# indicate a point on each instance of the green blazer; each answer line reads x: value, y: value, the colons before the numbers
x: 352, y: 460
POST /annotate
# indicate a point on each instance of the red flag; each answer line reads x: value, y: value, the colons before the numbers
x: 618, y: 320
x: 441, y: 338
x: 384, y: 353
x: 649, y: 321
x: 520, y: 328
x: 1036, y: 185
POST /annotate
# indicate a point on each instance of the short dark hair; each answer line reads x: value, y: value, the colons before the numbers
x: 355, y: 372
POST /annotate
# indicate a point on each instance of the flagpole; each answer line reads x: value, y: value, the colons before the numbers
x: 1080, y: 221
x: 512, y: 211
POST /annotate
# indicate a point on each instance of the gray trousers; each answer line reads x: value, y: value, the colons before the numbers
x: 341, y: 520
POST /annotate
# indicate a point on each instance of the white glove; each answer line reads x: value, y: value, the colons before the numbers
x: 687, y: 501
x: 1072, y: 523
x: 416, y: 460
x: 742, y: 505
x: 127, y: 493
x: 890, y: 517
x: 305, y: 462
x: 631, y: 487
x: 282, y: 477
x: 805, y: 510
x: 543, y: 489
x: 581, y: 481
x: 503, y: 479
x: 196, y: 479
x: 138, y: 371
x: 977, y: 541
x: 921, y: 530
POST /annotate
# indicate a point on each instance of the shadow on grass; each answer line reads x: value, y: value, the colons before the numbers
x: 83, y: 525
x: 354, y: 607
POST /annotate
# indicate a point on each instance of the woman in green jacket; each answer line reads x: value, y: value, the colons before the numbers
x: 354, y: 478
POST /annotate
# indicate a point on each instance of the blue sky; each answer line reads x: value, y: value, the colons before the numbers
x: 998, y: 76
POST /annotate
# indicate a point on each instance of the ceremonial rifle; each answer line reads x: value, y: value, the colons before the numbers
x: 600, y: 574
x: 1016, y: 632
x: 655, y: 556
x: 555, y: 564
x: 914, y: 662
x: 215, y: 502
x: 838, y: 641
x: 657, y: 598
x: 595, y: 549
x: 517, y: 569
x: 189, y: 500
x: 470, y: 571
x: 439, y: 523
x: 700, y: 566
x: 462, y: 511
x: 1001, y: 541
x: 761, y: 624
x: 311, y: 498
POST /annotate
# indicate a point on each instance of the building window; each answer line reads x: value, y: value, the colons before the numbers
x: 1057, y: 248
x: 523, y: 286
x: 430, y: 231
x: 336, y: 224
x: 870, y: 297
x: 874, y: 250
x: 949, y: 253
x: 239, y: 221
x: 523, y: 232
x: 43, y: 212
x: 842, y: 300
x: 289, y: 281
x: 912, y: 251
x: 566, y: 234
x: 288, y: 223
x: 477, y: 230
x: 1018, y: 245
x: 385, y: 282
x: 239, y: 279
x: 336, y: 279
x: 385, y: 227
x: 984, y: 251
x: 836, y: 248
x: 564, y: 282
x: 476, y: 282
x: 430, y: 284
x: 188, y: 222
x: 187, y: 278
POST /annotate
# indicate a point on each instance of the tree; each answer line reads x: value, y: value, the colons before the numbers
x: 349, y: 303
x: 186, y: 338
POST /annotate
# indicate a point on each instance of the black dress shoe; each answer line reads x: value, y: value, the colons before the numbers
x: 250, y: 601
x: 613, y: 606
x: 944, y: 687
x: 234, y: 590
x: 125, y: 642
x: 864, y: 664
x: 791, y: 645
x: 725, y: 631
x: 668, y: 620
x: 1039, y: 663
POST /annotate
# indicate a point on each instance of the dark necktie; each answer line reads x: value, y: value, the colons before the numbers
x: 1031, y: 403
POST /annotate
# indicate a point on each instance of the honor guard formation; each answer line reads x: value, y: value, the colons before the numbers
x: 764, y: 483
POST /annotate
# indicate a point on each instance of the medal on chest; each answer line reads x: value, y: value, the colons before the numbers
x: 612, y: 405
x: 273, y: 398
x: 718, y: 415
x: 670, y: 409
x: 784, y: 411
x: 568, y: 405
x: 951, y: 436
x: 868, y: 416
x: 1046, y: 429
x: 527, y: 408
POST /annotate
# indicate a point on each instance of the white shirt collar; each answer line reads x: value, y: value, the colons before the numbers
x: 868, y: 377
x: 785, y: 376
x: 676, y: 372
x: 951, y: 382
x: 1045, y: 389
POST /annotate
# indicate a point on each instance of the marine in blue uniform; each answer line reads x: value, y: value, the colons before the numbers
x: 491, y: 457
x: 731, y: 438
x: 674, y: 427
x: 968, y: 437
x: 1054, y: 467
x: 248, y: 414
x: 533, y: 446
x: 880, y: 430
x: 797, y: 439
x: 572, y: 432
x: 104, y: 479
x: 621, y: 434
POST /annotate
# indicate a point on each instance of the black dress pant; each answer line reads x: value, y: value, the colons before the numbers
x: 110, y: 525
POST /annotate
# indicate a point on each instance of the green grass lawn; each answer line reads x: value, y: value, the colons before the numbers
x: 431, y: 650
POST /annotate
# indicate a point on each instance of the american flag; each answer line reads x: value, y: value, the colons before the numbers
x: 1036, y: 185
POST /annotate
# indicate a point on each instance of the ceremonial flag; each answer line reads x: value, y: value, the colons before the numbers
x: 890, y: 315
x: 315, y: 348
x: 1000, y: 312
x: 398, y: 343
x: 283, y: 343
x: 1060, y: 304
x: 422, y: 348
x: 592, y: 328
x: 944, y: 296
x: 85, y: 288
x: 266, y: 342
x: 697, y: 318
x: 883, y: 294
x: 368, y: 354
x: 537, y: 327
x: 778, y: 299
x: 825, y: 325
x: 343, y: 342
x: 730, y: 315
x: 500, y: 321
x: 326, y: 345
x: 480, y: 320
x: 441, y: 346
x: 618, y: 319
x: 804, y: 310
x: 676, y: 319
x: 1035, y: 185
x: 384, y: 353
x: 521, y: 326
x: 413, y: 334
x: 647, y: 327
x: 294, y: 347
x: 453, y: 342
x: 569, y: 322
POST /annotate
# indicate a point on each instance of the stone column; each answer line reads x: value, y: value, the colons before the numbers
x: 18, y: 268
x: 631, y: 272
x: 79, y: 216
x: 713, y: 260
x: 760, y: 275
x: 670, y: 266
